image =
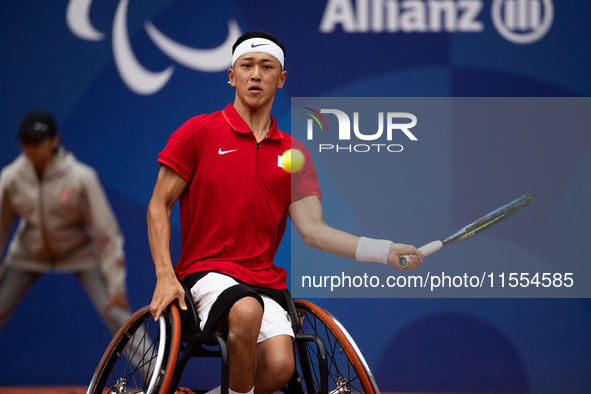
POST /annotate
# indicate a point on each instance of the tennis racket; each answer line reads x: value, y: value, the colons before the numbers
x: 473, y: 228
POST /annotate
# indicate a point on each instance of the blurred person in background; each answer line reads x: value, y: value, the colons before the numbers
x: 66, y: 225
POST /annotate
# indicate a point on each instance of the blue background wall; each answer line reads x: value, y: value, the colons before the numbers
x: 435, y: 345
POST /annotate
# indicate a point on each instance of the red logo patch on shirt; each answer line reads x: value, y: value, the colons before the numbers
x: 64, y: 195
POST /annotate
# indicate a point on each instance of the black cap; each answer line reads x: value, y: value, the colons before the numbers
x: 36, y: 126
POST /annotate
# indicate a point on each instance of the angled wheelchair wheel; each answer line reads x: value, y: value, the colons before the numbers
x: 141, y: 357
x: 347, y: 370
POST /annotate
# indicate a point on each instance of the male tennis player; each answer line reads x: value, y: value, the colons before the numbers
x: 234, y: 202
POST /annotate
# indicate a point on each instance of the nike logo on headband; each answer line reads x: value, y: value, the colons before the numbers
x: 257, y: 45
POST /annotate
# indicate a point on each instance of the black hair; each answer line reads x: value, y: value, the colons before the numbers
x: 257, y: 34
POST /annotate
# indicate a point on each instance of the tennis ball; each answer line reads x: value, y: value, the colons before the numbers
x: 293, y: 160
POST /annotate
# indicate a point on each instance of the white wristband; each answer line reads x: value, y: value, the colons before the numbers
x: 375, y: 250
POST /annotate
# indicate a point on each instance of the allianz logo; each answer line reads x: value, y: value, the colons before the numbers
x: 518, y: 21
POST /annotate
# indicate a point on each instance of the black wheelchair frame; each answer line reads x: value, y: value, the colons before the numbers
x: 327, y: 359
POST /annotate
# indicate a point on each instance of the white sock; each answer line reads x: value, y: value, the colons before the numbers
x: 230, y: 391
x: 217, y: 390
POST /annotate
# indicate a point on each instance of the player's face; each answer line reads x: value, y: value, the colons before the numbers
x: 256, y: 76
x: 40, y: 152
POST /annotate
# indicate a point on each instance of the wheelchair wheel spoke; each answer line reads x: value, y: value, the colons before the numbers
x: 346, y: 373
x: 134, y: 357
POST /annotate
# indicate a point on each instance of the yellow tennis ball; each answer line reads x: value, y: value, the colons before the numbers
x: 293, y: 160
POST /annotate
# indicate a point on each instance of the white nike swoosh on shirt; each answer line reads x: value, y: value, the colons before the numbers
x: 221, y: 152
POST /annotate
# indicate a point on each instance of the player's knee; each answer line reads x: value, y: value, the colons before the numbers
x: 244, y: 319
x: 280, y: 368
x: 274, y: 370
x: 276, y: 376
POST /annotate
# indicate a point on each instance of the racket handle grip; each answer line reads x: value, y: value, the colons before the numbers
x: 428, y: 249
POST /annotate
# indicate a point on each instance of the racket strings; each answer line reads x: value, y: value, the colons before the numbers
x: 492, y: 218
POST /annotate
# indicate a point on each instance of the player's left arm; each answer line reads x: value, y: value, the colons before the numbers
x: 306, y: 215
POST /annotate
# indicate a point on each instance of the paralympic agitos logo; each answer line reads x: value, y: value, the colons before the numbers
x: 389, y: 125
x: 136, y: 77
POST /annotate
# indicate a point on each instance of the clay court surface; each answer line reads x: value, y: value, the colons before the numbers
x: 44, y: 390
x: 65, y: 390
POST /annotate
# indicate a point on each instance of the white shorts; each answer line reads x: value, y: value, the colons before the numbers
x: 276, y: 320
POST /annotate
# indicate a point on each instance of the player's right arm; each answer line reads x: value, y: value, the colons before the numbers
x: 167, y: 191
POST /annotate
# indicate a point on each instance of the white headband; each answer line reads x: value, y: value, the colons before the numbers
x: 258, y: 45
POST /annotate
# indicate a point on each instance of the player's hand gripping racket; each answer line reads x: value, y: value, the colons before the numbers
x: 473, y: 228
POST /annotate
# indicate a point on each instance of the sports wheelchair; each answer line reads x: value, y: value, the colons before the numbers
x: 149, y: 357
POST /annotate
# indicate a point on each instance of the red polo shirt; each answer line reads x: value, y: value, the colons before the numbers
x: 234, y: 208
